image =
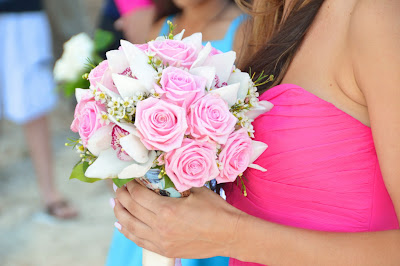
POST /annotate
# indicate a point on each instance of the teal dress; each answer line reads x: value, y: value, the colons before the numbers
x: 123, y: 252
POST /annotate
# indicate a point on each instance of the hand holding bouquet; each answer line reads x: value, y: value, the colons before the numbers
x: 172, y: 113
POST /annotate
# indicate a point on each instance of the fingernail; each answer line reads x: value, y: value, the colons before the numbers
x: 112, y: 203
x: 125, y: 185
x: 115, y: 187
x: 118, y: 225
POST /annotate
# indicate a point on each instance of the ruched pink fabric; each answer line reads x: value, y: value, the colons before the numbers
x: 323, y: 172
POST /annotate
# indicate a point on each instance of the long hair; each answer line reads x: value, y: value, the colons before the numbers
x: 276, y: 36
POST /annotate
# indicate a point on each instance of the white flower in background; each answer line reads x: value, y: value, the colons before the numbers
x: 72, y: 63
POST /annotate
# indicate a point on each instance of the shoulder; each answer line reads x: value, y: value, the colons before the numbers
x: 156, y: 28
x: 374, y: 36
x: 374, y: 39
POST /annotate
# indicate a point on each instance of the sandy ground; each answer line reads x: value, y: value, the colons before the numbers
x: 27, y: 235
x: 30, y: 237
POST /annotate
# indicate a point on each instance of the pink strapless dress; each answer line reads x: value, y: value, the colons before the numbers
x: 323, y: 171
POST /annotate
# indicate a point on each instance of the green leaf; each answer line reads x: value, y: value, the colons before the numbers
x: 120, y: 182
x: 69, y: 87
x: 79, y: 173
x: 102, y: 40
x: 168, y: 182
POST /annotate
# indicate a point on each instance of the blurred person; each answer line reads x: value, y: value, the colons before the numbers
x: 67, y: 18
x: 220, y: 22
x: 27, y: 90
x: 109, y: 16
x: 217, y: 20
x: 137, y: 17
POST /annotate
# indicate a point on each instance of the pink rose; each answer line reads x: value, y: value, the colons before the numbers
x: 210, y: 117
x: 97, y: 73
x: 235, y: 156
x: 161, y: 125
x: 192, y: 165
x: 174, y: 53
x: 181, y: 87
x: 87, y: 117
x: 144, y: 47
x: 102, y: 74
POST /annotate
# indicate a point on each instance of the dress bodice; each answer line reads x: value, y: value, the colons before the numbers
x: 323, y: 171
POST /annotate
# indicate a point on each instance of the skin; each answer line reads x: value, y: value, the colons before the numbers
x: 356, y: 69
x: 194, y: 19
x: 37, y: 137
x: 128, y: 24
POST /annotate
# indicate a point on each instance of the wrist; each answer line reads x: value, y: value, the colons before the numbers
x: 236, y: 237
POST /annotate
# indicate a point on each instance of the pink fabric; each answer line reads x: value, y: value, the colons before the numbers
x: 323, y: 172
x: 126, y: 6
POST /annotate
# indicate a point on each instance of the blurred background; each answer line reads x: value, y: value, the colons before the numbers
x: 28, y: 235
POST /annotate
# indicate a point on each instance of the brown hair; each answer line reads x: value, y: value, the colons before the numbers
x: 275, y: 36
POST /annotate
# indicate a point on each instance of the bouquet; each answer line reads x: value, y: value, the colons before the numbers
x: 172, y: 113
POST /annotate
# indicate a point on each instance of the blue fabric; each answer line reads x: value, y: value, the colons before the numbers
x: 124, y: 252
x: 110, y: 10
x: 225, y: 44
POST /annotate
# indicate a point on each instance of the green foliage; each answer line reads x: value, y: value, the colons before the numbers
x: 120, y: 182
x: 69, y: 87
x: 168, y: 182
x: 102, y: 40
x: 79, y: 173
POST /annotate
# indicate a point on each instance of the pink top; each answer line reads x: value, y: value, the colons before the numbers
x: 323, y: 172
x: 127, y: 6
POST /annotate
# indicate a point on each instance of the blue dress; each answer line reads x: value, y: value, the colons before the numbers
x: 123, y: 252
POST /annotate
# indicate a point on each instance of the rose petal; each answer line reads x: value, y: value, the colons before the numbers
x: 138, y: 62
x: 262, y: 107
x: 258, y: 148
x: 244, y: 80
x: 100, y: 140
x: 228, y: 93
x: 138, y: 170
x: 107, y: 165
x: 134, y: 148
x: 128, y: 87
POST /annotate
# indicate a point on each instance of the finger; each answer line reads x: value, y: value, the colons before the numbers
x: 143, y: 243
x: 146, y: 198
x: 131, y: 223
x: 133, y: 207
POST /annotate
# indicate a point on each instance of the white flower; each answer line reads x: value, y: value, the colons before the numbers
x: 72, y: 63
x: 103, y: 116
x: 127, y: 102
x: 100, y: 96
x: 253, y: 101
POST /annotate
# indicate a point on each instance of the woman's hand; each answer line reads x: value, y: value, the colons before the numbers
x: 200, y: 226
